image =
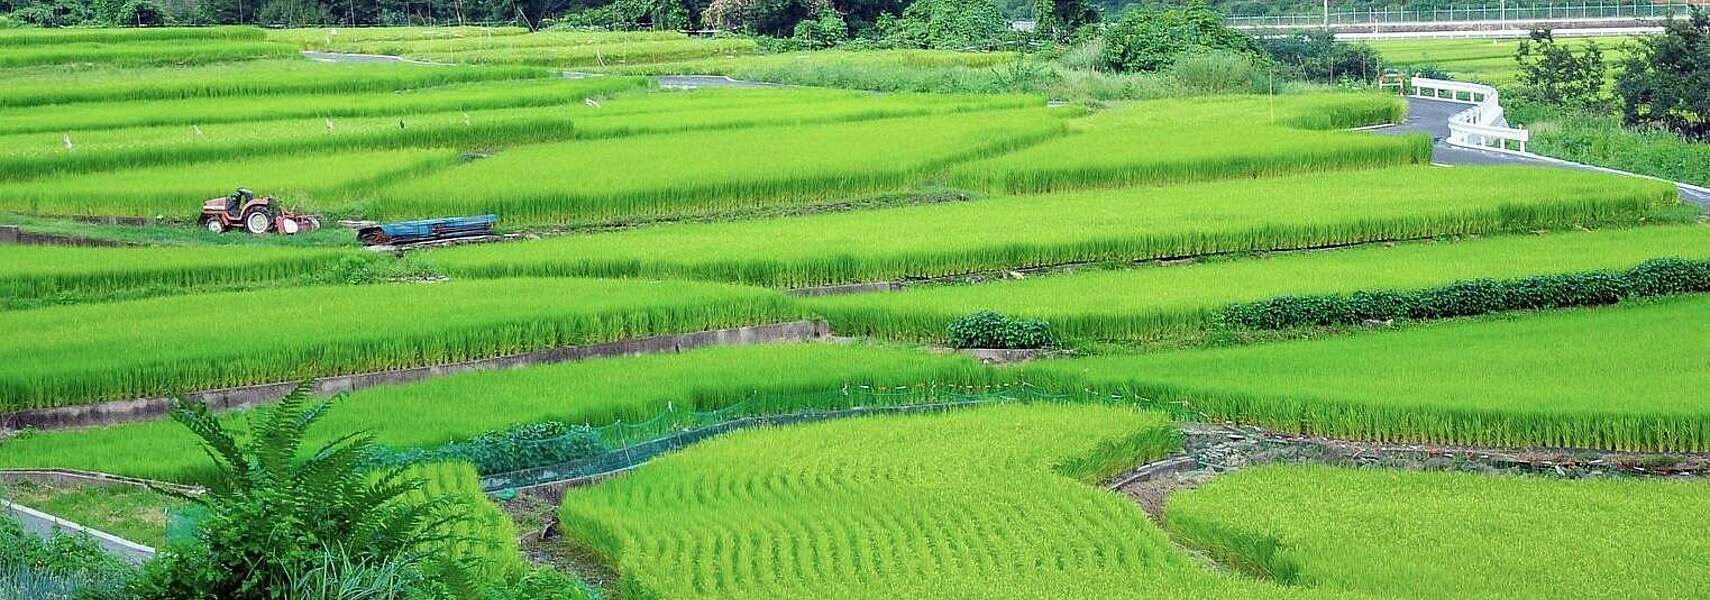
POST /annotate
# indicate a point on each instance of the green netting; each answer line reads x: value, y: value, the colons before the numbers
x: 673, y: 428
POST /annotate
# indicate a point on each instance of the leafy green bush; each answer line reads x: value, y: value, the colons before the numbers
x: 822, y: 32
x: 1663, y: 276
x: 1317, y: 56
x: 520, y: 447
x: 947, y: 24
x: 987, y: 329
x: 1655, y: 277
x: 1146, y: 39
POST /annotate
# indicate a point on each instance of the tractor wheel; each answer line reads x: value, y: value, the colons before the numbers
x: 257, y: 222
x: 214, y: 225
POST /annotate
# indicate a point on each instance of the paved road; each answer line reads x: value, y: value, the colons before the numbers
x: 1429, y: 116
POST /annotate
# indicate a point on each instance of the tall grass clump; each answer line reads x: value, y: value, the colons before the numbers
x: 340, y: 38
x: 1169, y: 141
x: 983, y: 501
x: 597, y: 392
x: 701, y: 172
x: 1151, y: 301
x: 315, y: 181
x: 260, y: 77
x: 1615, y: 378
x: 76, y: 354
x: 1111, y: 225
x: 1342, y: 530
x: 43, y: 271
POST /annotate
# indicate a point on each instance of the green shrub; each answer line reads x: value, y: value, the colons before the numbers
x: 63, y: 566
x: 519, y: 447
x: 947, y: 24
x: 1149, y: 40
x: 987, y: 329
x: 1655, y: 277
x: 1663, y: 276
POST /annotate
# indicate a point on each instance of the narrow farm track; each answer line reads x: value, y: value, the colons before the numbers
x: 1429, y: 116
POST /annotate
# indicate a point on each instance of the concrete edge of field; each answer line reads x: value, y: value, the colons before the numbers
x: 45, y: 526
x: 119, y: 411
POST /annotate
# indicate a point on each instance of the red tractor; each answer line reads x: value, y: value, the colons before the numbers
x: 242, y: 209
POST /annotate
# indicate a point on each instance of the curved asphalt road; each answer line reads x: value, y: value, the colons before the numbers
x: 1425, y: 115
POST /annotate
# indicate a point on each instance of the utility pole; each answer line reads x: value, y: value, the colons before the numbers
x: 1326, y: 14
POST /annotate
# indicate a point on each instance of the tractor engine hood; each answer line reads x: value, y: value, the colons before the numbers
x: 218, y: 204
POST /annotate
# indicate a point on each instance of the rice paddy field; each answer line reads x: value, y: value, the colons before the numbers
x: 1406, y: 534
x: 1128, y: 224
x: 599, y: 391
x: 875, y: 461
x: 1617, y: 378
x: 1488, y: 61
x: 1149, y: 301
x: 76, y: 354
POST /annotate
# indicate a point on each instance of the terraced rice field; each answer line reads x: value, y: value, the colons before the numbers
x: 598, y: 392
x: 660, y: 211
x: 986, y: 502
x: 175, y: 191
x: 1129, y: 224
x: 33, y: 272
x: 1489, y: 61
x: 1165, y: 141
x: 1618, y: 378
x: 1409, y: 534
x: 703, y: 172
x: 1149, y: 301
x: 74, y: 354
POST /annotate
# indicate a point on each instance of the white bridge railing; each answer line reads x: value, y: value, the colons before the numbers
x: 1481, y: 125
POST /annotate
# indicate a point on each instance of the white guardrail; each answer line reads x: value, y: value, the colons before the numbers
x: 1480, y: 126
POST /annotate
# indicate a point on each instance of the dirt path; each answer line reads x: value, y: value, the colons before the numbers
x: 1211, y: 450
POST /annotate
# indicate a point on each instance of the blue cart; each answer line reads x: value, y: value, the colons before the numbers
x: 427, y: 230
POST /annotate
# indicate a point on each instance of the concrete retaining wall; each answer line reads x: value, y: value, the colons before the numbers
x: 144, y: 408
x: 45, y: 525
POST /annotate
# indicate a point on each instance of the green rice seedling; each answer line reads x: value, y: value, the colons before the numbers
x: 141, y: 53
x: 759, y: 66
x: 38, y: 271
x: 417, y: 46
x: 616, y: 53
x: 1163, y: 141
x: 317, y: 181
x: 35, y: 155
x: 484, y: 541
x: 1149, y: 301
x: 1618, y: 378
x: 68, y: 355
x: 13, y: 38
x: 59, y: 85
x: 340, y: 38
x: 705, y: 172
x: 79, y: 117
x: 982, y: 503
x: 59, y: 152
x: 1409, y: 534
x: 1110, y: 225
x: 598, y: 391
x: 1484, y: 60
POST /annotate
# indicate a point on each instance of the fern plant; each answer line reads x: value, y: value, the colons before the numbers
x: 270, y: 514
